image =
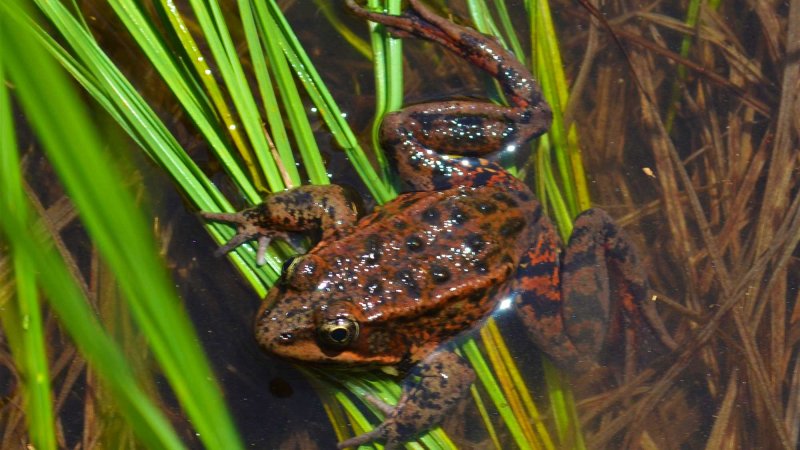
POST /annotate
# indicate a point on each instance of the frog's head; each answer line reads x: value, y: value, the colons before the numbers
x: 304, y: 320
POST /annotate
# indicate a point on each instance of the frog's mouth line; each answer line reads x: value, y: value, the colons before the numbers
x: 313, y: 354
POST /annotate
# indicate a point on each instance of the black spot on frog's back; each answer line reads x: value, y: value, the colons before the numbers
x: 505, y: 199
x: 486, y: 207
x: 512, y: 227
x: 432, y: 216
x: 415, y: 243
x: 373, y: 248
x: 439, y: 274
x: 406, y: 279
x: 458, y: 215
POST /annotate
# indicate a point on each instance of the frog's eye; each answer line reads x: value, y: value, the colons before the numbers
x: 338, y: 332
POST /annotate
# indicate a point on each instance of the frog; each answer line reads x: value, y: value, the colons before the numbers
x: 394, y: 288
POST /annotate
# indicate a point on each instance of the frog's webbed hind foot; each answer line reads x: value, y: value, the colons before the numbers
x: 481, y: 50
x: 430, y: 391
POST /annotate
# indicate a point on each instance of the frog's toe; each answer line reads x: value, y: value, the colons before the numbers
x: 235, y: 241
x: 384, y: 407
x: 374, y: 435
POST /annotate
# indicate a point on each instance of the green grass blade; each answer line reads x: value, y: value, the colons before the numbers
x: 103, y: 80
x: 387, y: 56
x: 113, y: 222
x: 202, y: 78
x: 549, y: 70
x: 292, y: 103
x: 67, y: 300
x: 21, y: 317
x: 215, y: 31
x: 473, y: 354
x: 272, y: 111
x: 171, y: 71
x: 33, y: 74
x: 327, y: 9
x: 330, y: 112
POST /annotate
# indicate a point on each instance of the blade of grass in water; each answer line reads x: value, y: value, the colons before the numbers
x: 692, y: 17
x: 330, y: 112
x: 113, y: 222
x: 21, y: 316
x: 327, y: 9
x: 104, y: 81
x: 33, y: 73
x: 387, y: 56
x: 292, y: 103
x: 215, y: 32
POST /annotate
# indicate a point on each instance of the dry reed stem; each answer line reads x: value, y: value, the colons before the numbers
x: 727, y: 215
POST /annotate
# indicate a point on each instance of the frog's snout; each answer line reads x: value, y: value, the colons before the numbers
x: 282, y: 330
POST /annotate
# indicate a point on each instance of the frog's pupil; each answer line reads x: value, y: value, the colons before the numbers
x: 339, y: 334
x: 286, y: 336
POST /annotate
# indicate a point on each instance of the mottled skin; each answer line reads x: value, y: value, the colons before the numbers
x: 393, y: 288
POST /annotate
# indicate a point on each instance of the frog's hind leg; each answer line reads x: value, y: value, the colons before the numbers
x: 538, y: 297
x: 605, y: 288
x: 567, y: 305
x: 418, y: 137
x: 430, y: 391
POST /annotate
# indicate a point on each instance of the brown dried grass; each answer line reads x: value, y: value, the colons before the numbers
x: 719, y: 212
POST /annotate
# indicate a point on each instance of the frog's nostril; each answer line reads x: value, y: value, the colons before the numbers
x: 286, y: 337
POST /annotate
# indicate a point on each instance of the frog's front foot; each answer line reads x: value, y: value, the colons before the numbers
x: 329, y: 209
x: 248, y: 227
x: 430, y: 391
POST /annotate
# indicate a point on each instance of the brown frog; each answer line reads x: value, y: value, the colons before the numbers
x: 393, y: 288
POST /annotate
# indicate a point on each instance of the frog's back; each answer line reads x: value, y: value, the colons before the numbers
x: 431, y: 264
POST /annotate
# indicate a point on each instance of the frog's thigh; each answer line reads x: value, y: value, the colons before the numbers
x: 585, y: 280
x: 604, y: 284
x: 430, y: 391
x: 538, y: 299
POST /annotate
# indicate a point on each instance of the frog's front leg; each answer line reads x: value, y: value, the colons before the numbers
x: 430, y: 391
x: 328, y: 208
